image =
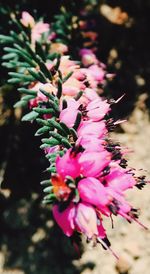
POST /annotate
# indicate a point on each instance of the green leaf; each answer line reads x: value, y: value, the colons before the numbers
x: 56, y: 125
x: 42, y: 122
x: 9, y: 56
x: 40, y: 51
x: 58, y: 62
x: 67, y: 76
x: 42, y: 130
x: 59, y: 92
x: 65, y: 128
x: 14, y: 81
x: 78, y: 120
x: 44, y: 110
x: 21, y: 76
x: 48, y: 189
x: 30, y: 116
x: 28, y: 91
x: 43, y: 68
x: 74, y: 133
x: 51, y: 141
x: 28, y: 97
x: 66, y: 143
x: 36, y: 75
x: 78, y: 96
x: 6, y: 39
x: 20, y: 103
x: 45, y: 182
x: 51, y: 169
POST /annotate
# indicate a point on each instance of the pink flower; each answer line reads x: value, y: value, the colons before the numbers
x: 68, y: 165
x: 97, y: 109
x: 65, y: 218
x: 97, y: 72
x: 72, y: 86
x: 93, y: 192
x: 40, y: 96
x: 50, y: 150
x: 119, y: 203
x: 67, y: 65
x: 27, y: 20
x: 58, y: 47
x: 92, y: 163
x: 91, y: 144
x: 88, y: 57
x: 97, y: 129
x: 119, y: 180
x: 37, y: 31
x: 88, y: 96
x: 86, y: 220
x: 68, y: 115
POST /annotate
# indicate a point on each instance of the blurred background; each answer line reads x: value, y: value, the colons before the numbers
x: 30, y: 242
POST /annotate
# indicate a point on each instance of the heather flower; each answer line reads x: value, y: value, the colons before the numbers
x: 40, y: 96
x: 59, y: 48
x: 65, y: 218
x: 91, y: 178
x: 88, y: 57
x: 97, y: 109
x: 68, y: 115
x: 37, y: 31
x: 119, y: 180
x: 97, y: 73
x: 91, y: 144
x: 93, y: 192
x: 92, y: 163
x: 27, y: 20
x: 68, y: 165
x: 97, y: 129
x: 72, y: 87
x: 86, y: 220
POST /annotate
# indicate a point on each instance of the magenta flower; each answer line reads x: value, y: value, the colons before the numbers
x: 92, y: 163
x: 93, y: 192
x: 97, y: 129
x: 65, y: 218
x: 91, y: 144
x: 68, y: 165
x: 119, y: 180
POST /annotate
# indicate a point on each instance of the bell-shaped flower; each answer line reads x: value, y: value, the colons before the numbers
x: 86, y: 220
x: 93, y: 192
x: 91, y: 144
x: 27, y: 20
x: 65, y: 218
x: 91, y: 128
x: 68, y: 115
x: 92, y: 163
x: 119, y: 179
x: 68, y: 165
x: 97, y: 109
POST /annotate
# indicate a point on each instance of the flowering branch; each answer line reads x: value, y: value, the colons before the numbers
x: 89, y: 175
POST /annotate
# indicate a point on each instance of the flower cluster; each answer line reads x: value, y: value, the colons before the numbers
x: 89, y: 174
